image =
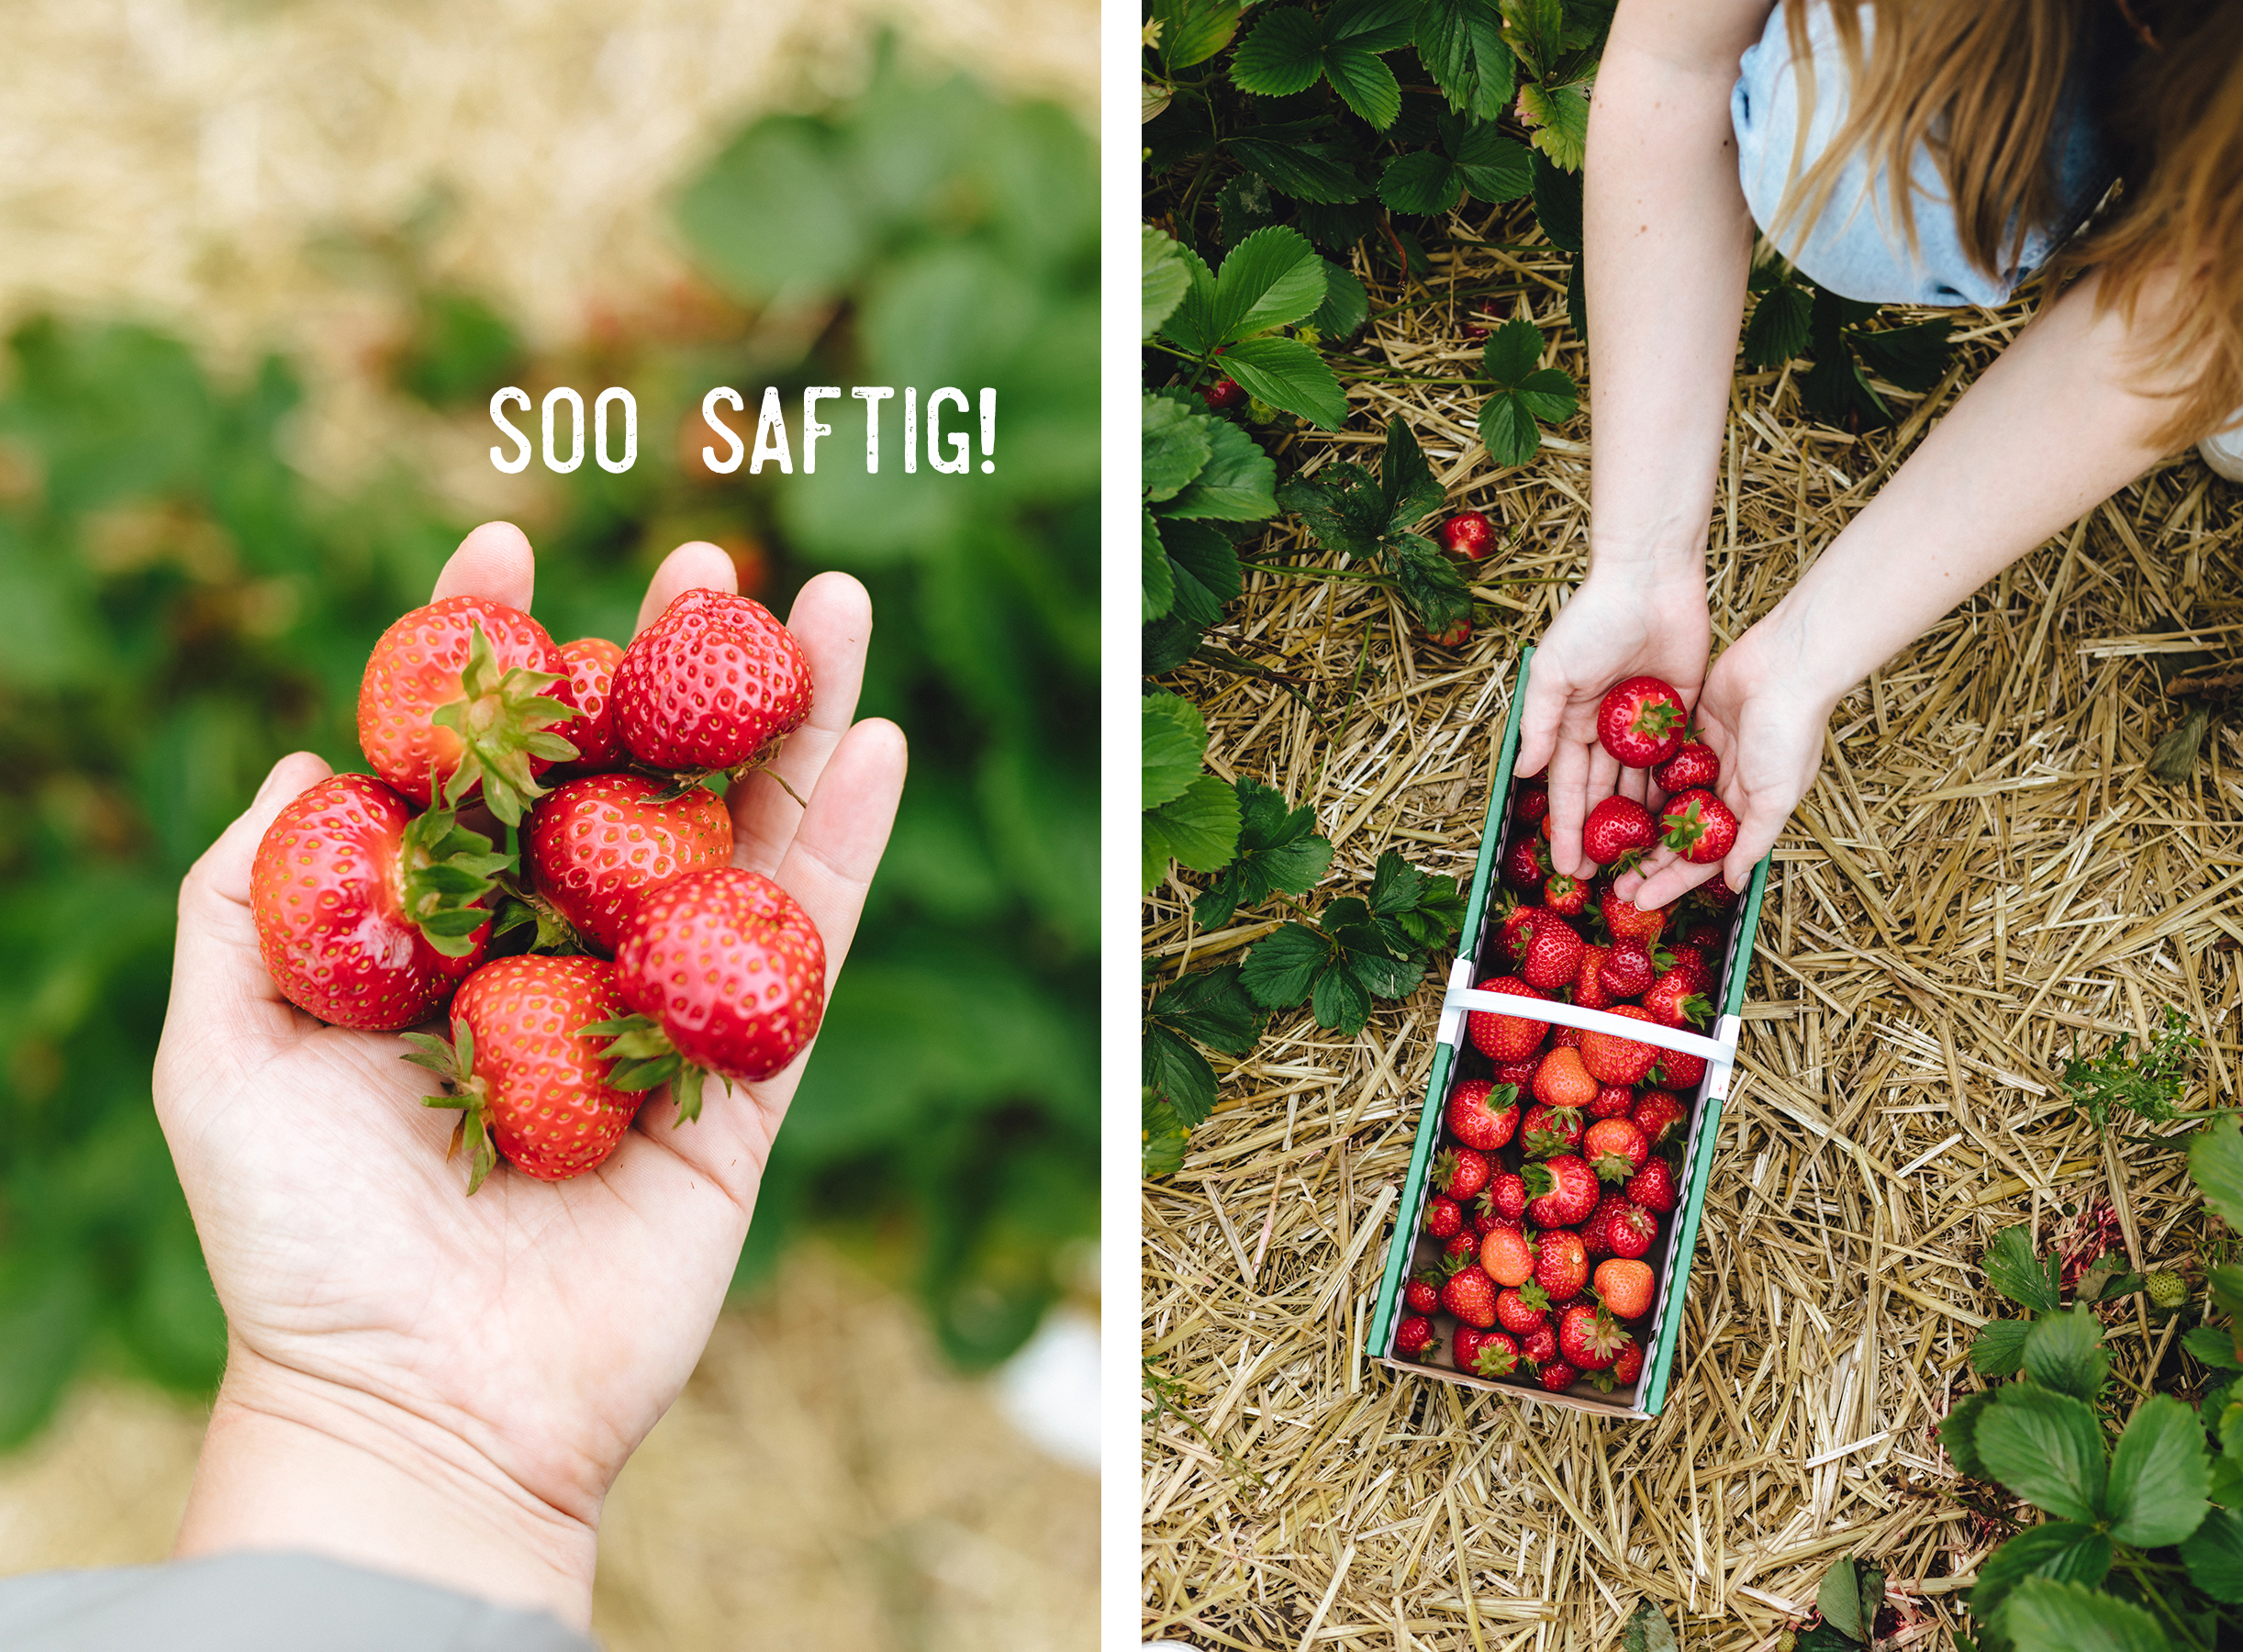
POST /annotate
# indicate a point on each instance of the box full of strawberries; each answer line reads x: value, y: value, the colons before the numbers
x: 1544, y: 1235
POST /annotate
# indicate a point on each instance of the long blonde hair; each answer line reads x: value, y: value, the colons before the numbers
x: 1981, y: 84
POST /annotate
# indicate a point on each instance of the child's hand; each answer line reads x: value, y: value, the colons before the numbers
x: 1618, y: 623
x: 440, y: 1386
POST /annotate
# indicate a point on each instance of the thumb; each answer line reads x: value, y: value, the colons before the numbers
x: 218, y: 979
x: 1757, y: 827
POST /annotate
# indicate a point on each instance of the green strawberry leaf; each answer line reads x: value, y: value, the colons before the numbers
x: 2047, y: 1447
x: 1176, y: 443
x: 1191, y: 31
x: 1507, y: 429
x: 1460, y: 42
x: 1958, y: 1435
x: 1172, y: 739
x: 1558, y: 118
x: 1912, y: 358
x: 1237, y: 483
x: 1282, y: 56
x: 2216, y: 1166
x: 1320, y: 174
x: 1165, y: 1134
x: 1535, y: 32
x: 1171, y: 1069
x: 1346, y: 307
x: 2065, y: 1550
x: 1548, y: 393
x: 1340, y: 1002
x: 2043, y: 1612
x: 2064, y: 1352
x: 1202, y: 572
x: 1342, y: 509
x: 1998, y: 1349
x: 2212, y: 1346
x: 1778, y: 331
x: 2214, y: 1555
x: 2033, y: 1283
x: 1290, y: 376
x: 1283, y: 965
x: 1385, y: 976
x: 1273, y: 278
x: 1558, y: 202
x: 1164, y: 280
x: 1197, y: 830
x: 1513, y: 351
x: 1405, y: 482
x: 1210, y: 1005
x: 1494, y: 168
x: 1839, y: 1599
x: 1277, y: 850
x: 2160, y: 1473
x: 1424, y: 182
x: 1156, y: 584
x: 1191, y: 326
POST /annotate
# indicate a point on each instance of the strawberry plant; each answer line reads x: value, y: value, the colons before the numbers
x: 1792, y: 316
x: 1372, y: 519
x: 1234, y: 319
x: 1527, y: 396
x: 1359, y: 948
x: 1191, y: 817
x: 1278, y: 852
x: 1208, y: 1007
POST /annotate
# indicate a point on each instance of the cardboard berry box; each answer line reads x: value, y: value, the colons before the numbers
x: 1409, y: 1249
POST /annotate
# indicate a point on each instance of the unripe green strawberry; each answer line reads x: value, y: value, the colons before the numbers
x: 2166, y: 1288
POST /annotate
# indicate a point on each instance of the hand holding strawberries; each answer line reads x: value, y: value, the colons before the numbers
x: 443, y: 1385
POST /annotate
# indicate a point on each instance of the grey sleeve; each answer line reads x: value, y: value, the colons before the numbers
x: 261, y: 1602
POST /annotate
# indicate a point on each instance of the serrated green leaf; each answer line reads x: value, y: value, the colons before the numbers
x: 2216, y: 1166
x: 1346, y: 307
x: 2064, y: 1352
x: 1316, y: 172
x: 1282, y: 965
x: 1291, y: 376
x: 1339, y: 1001
x: 1237, y: 482
x: 1839, y: 1598
x: 2031, y: 1282
x: 1559, y: 118
x: 1165, y: 1138
x: 1432, y: 587
x: 1507, y: 429
x: 1202, y: 569
x: 2224, y: 1283
x: 1998, y: 1349
x: 1156, y: 583
x: 1384, y: 977
x: 1424, y: 182
x: 1284, y: 54
x: 1278, y: 849
x: 2214, y: 1555
x: 1176, y: 444
x: 1341, y: 509
x: 1163, y: 281
x: 1547, y: 392
x: 2047, y: 1447
x: 1171, y: 740
x: 1177, y: 1074
x: 1198, y: 829
x: 2214, y: 1346
x: 1461, y: 44
x: 1191, y: 326
x: 2159, y: 1475
x: 1534, y: 30
x: 2043, y: 1614
x: 1494, y: 168
x: 1958, y: 1435
x: 1210, y: 1006
x: 1912, y: 357
x: 1245, y: 204
x: 2062, y: 1549
x: 1778, y: 331
x: 1273, y: 278
x: 1406, y: 483
x: 1194, y: 30
x: 1558, y: 202
x: 1372, y: 25
x: 1365, y: 83
x: 1512, y: 350
x: 1396, y: 884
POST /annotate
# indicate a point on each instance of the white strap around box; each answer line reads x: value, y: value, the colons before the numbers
x: 1719, y: 1051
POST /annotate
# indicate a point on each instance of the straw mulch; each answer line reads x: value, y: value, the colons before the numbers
x: 1983, y: 873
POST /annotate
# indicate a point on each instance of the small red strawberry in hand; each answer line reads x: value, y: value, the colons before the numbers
x: 712, y: 684
x: 522, y: 1074
x: 1482, y: 1116
x: 462, y: 695
x: 595, y: 842
x: 1699, y: 826
x: 591, y: 663
x: 1641, y: 721
x: 1693, y: 766
x: 1617, y: 828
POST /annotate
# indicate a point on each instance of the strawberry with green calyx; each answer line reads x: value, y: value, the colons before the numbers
x: 594, y: 844
x: 1567, y: 897
x: 521, y: 1080
x: 1612, y: 1102
x: 1523, y: 1310
x: 1561, y: 1192
x: 1444, y: 1217
x: 1653, y: 1187
x: 1508, y: 1255
x: 725, y: 972
x: 1469, y: 1294
x: 1464, y: 1345
x: 1642, y: 721
x: 1506, y: 1193
x: 1460, y: 1249
x: 1423, y: 1293
x: 1485, y: 1218
x: 1658, y: 1114
x: 1553, y: 951
x: 1493, y: 1354
x: 1624, y: 1285
x: 463, y: 697
x: 1694, y: 765
x: 1482, y: 1116
x: 591, y: 663
x: 1629, y: 1229
x: 1699, y: 826
x: 1677, y: 1070
x: 367, y: 915
x: 1588, y: 1337
x: 1501, y: 1037
x: 1548, y: 1130
x: 1674, y: 1001
x: 713, y: 686
x: 1561, y: 1265
x: 1515, y: 928
x: 1460, y: 1172
x: 1611, y: 1059
x: 1617, y: 832
x: 1614, y: 1148
x: 1453, y: 636
x: 1414, y: 1338
x: 1222, y: 394
x: 1625, y: 1369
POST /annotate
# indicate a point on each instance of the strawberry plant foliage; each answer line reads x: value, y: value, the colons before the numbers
x: 1792, y: 316
x: 1190, y: 816
x: 1525, y: 393
x: 1371, y: 517
x: 1207, y: 1007
x: 1231, y: 322
x: 1278, y: 851
x: 1358, y: 949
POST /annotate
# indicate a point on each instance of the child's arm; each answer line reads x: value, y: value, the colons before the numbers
x: 1668, y: 242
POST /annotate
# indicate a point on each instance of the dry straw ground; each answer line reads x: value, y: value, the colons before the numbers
x: 1983, y: 873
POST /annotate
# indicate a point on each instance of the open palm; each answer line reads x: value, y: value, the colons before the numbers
x: 539, y: 1329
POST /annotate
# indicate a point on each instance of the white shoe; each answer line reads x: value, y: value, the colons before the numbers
x: 2224, y: 451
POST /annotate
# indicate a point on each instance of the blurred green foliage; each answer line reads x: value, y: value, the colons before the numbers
x: 178, y: 609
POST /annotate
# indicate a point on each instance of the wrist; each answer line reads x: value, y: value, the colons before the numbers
x: 1796, y: 645
x: 1654, y: 559
x: 298, y: 1462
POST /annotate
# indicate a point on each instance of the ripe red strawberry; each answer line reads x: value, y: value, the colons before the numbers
x: 1624, y: 1286
x: 1523, y: 1310
x: 1506, y: 1037
x: 1628, y: 971
x: 1557, y: 1376
x: 1444, y: 1217
x: 1595, y: 1231
x: 1653, y: 1187
x: 1454, y: 636
x: 726, y: 973
x: 1629, y: 1365
x: 1707, y: 937
x: 1461, y: 1249
x: 1700, y: 826
x: 1588, y: 1337
x: 1589, y: 989
x: 462, y: 695
x: 1547, y: 1130
x: 1553, y: 952
x: 1659, y: 1115
x: 1223, y: 394
x: 1614, y: 1148
x: 1515, y: 928
x: 1616, y: 829
x: 1685, y: 959
x: 1567, y: 897
x: 1565, y: 1038
x: 1716, y: 893
x: 1518, y: 1074
x: 1527, y: 864
x: 1423, y: 1294
x: 1561, y: 1265
x: 1630, y: 1230
x: 1493, y: 1354
x: 1530, y: 801
x: 1624, y: 921
x: 368, y: 916
x: 1471, y: 1296
x: 1693, y: 765
x: 1611, y: 1059
x: 713, y: 684
x: 1561, y: 1081
x: 1674, y: 1001
x: 1460, y: 1172
x: 1538, y: 1346
x: 1464, y: 1345
x: 1482, y: 1116
x: 1561, y: 1192
x: 1641, y: 721
x: 1414, y: 1338
x: 1613, y: 1101
x: 1507, y: 1192
x: 595, y: 842
x: 1506, y: 1256
x: 1484, y: 1217
x: 522, y: 1074
x: 591, y: 663
x: 1467, y: 533
x: 1677, y: 1070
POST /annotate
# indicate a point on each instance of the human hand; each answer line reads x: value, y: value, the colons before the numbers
x: 440, y: 1386
x: 1764, y: 713
x: 1620, y: 622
